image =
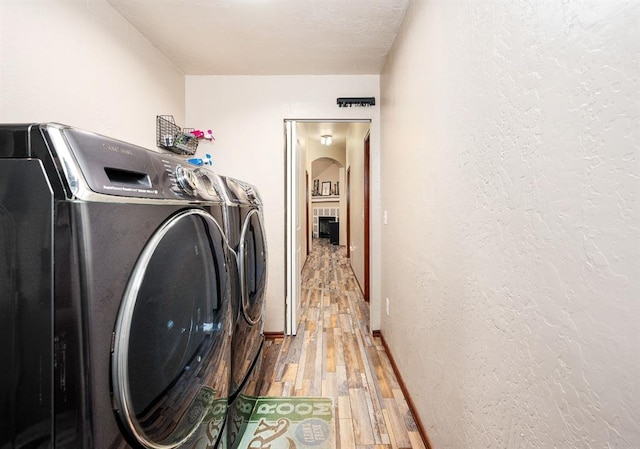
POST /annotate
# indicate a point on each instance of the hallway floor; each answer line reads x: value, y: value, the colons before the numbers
x: 334, y: 355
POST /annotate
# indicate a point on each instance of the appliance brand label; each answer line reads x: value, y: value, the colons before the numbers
x: 130, y: 189
x: 116, y: 149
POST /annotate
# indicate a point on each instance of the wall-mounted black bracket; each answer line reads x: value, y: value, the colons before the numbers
x: 344, y: 102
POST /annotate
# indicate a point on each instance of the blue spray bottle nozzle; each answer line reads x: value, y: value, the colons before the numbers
x: 195, y: 161
x: 199, y: 162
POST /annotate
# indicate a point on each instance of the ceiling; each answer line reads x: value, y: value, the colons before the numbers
x: 337, y: 130
x: 269, y: 37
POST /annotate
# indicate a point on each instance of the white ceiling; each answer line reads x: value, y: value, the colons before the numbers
x: 337, y: 130
x: 269, y: 37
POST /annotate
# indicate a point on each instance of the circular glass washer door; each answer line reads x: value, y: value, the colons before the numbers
x: 170, y: 357
x: 252, y: 267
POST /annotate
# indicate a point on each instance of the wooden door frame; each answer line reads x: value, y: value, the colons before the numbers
x: 367, y: 209
x: 349, y: 213
x: 308, y: 200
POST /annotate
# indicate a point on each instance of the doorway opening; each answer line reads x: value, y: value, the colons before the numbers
x: 327, y: 196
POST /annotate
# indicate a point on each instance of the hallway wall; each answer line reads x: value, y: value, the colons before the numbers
x: 80, y: 63
x: 511, y: 257
x: 355, y: 161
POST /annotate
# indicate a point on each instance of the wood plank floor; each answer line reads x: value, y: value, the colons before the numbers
x: 334, y: 355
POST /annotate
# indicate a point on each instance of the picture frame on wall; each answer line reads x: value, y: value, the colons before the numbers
x: 316, y: 187
x: 326, y: 188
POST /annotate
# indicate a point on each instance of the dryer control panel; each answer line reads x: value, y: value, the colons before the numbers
x: 240, y: 192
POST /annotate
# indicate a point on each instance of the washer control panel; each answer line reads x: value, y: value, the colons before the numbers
x: 186, y: 179
x: 189, y: 183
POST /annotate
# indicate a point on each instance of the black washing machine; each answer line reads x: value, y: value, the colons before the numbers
x: 245, y: 230
x: 115, y: 307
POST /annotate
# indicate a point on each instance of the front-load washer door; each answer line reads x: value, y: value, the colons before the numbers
x: 171, y: 354
x: 252, y: 267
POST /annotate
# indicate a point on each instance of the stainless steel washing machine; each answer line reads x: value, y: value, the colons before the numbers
x: 245, y: 230
x: 115, y: 306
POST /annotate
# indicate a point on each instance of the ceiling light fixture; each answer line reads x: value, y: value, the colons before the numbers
x: 326, y: 139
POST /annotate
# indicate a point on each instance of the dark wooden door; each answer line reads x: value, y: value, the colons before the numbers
x: 349, y: 213
x: 366, y: 217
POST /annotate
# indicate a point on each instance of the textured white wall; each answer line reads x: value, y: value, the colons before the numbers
x: 78, y: 62
x: 247, y: 117
x: 510, y: 174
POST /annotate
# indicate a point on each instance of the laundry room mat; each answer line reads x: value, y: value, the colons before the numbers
x: 290, y: 422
